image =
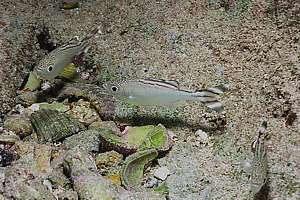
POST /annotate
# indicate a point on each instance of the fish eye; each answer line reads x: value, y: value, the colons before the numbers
x: 50, y: 68
x: 114, y: 88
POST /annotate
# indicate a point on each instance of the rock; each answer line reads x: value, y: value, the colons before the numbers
x: 19, y: 125
x: 61, y: 107
x: 89, y: 140
x: 116, y: 179
x: 9, y: 137
x: 58, y: 179
x: 86, y: 181
x: 21, y: 184
x: 111, y: 125
x: 90, y: 185
x: 67, y: 195
x: 27, y: 98
x: 42, y: 155
x: 104, y: 161
x: 24, y: 179
x: 23, y: 148
x: 162, y: 173
x: 2, y: 179
x: 83, y: 111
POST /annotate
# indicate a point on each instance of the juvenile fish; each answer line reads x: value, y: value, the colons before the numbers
x: 53, y: 63
x: 149, y: 92
x: 259, y: 166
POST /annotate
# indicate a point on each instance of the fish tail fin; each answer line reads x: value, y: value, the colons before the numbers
x: 220, y: 89
x: 209, y: 97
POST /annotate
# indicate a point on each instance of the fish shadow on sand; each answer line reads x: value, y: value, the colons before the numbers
x: 263, y: 194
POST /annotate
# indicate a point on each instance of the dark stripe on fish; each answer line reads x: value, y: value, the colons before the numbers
x: 157, y: 82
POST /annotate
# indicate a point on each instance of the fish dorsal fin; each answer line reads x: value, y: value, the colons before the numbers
x: 74, y: 41
x: 161, y: 82
x: 173, y: 82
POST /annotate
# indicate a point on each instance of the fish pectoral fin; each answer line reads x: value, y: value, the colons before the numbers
x: 32, y: 83
x: 70, y: 72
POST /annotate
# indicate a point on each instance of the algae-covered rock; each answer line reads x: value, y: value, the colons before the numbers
x: 111, y: 125
x: 139, y: 138
x: 42, y: 155
x: 109, y: 165
x: 24, y: 179
x: 91, y: 185
x: 21, y: 184
x: 108, y: 159
x: 58, y: 179
x: 23, y: 148
x: 89, y: 140
x: 83, y: 111
x: 2, y: 179
x: 9, y: 137
x: 67, y: 194
x: 111, y: 141
x: 61, y: 107
x: 86, y: 181
x: 20, y: 125
x: 27, y: 98
x: 52, y: 126
x: 132, y: 171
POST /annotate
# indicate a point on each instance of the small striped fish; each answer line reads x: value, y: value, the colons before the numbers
x: 149, y: 92
x: 259, y: 166
x: 53, y: 63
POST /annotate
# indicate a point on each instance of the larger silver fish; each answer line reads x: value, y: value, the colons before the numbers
x: 148, y: 92
x: 259, y: 166
x: 53, y: 63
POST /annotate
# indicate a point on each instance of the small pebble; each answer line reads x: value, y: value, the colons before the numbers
x: 202, y: 136
x: 34, y: 107
x: 151, y: 182
x: 162, y: 173
x: 20, y: 109
x: 84, y: 75
x: 46, y: 86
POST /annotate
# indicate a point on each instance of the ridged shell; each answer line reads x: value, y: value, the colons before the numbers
x: 133, y: 169
x: 52, y: 125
